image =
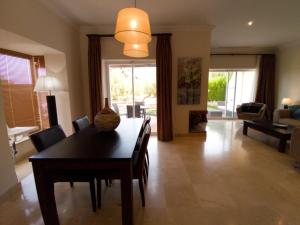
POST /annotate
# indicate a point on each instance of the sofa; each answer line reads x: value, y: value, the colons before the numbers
x: 295, y: 146
x: 287, y: 116
x: 251, y: 111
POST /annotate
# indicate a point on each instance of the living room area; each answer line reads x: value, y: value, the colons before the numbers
x: 215, y: 91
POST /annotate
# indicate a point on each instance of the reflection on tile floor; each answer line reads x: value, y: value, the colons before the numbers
x: 23, y: 168
x: 226, y: 179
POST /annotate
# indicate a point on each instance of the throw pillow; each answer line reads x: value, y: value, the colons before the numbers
x: 296, y: 114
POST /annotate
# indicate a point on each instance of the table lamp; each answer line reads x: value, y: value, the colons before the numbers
x: 49, y: 84
x: 286, y: 102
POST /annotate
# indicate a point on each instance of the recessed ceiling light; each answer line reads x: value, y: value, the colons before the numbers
x: 250, y: 23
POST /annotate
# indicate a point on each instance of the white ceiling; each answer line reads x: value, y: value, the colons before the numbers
x: 276, y: 22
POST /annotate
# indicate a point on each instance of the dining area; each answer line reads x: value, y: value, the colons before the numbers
x: 91, y: 155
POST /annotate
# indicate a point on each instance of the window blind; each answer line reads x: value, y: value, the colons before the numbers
x: 17, y: 84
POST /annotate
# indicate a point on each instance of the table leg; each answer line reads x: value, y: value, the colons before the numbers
x: 245, y: 129
x: 127, y: 195
x: 45, y: 191
x: 282, y: 144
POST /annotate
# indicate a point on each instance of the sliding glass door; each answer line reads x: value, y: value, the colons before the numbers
x: 228, y: 89
x: 132, y: 89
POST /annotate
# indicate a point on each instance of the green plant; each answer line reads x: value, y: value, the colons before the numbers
x: 217, y: 88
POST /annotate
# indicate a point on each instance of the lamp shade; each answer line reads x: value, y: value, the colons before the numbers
x: 133, y: 26
x: 286, y: 101
x: 47, y: 83
x: 136, y: 50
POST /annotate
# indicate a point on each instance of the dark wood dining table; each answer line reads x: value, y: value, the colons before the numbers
x: 90, y: 152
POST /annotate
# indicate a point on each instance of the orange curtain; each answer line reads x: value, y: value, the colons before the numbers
x: 164, y: 87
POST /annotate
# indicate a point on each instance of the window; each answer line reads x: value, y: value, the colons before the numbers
x: 17, y: 77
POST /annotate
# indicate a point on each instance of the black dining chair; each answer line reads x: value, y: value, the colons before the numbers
x: 138, y: 170
x: 81, y: 123
x: 146, y: 121
x: 45, y: 139
x: 137, y: 111
x: 139, y: 161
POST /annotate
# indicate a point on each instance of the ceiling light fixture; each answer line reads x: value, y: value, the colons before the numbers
x: 250, y: 23
x: 136, y: 50
x: 133, y: 26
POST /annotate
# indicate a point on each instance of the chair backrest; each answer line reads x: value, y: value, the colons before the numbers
x: 47, y: 138
x: 81, y: 123
x: 137, y: 111
x: 145, y: 122
x: 143, y: 149
x: 139, y: 103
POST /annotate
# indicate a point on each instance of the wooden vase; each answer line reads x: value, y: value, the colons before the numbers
x: 107, y: 119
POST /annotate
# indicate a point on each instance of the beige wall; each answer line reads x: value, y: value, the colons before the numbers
x: 194, y: 42
x: 31, y: 19
x: 288, y: 74
x: 189, y: 44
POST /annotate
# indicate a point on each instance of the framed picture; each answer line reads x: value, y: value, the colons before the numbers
x: 189, y: 80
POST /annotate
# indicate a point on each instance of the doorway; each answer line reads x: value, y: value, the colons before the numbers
x: 132, y: 89
x: 227, y: 89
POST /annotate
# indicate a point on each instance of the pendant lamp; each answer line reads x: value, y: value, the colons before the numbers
x: 136, y: 50
x: 133, y: 26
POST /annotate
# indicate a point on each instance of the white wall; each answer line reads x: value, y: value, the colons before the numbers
x: 56, y: 66
x: 31, y: 19
x: 288, y: 73
x: 186, y: 42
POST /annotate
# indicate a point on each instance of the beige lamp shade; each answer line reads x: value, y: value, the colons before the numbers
x: 133, y: 26
x: 287, y: 101
x: 47, y: 83
x: 136, y: 50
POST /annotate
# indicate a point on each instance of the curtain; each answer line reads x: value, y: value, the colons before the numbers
x: 95, y: 76
x: 164, y: 88
x: 266, y: 84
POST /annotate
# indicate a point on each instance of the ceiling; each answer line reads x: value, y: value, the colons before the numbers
x: 276, y: 22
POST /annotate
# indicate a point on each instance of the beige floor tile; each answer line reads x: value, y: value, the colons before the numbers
x: 225, y: 178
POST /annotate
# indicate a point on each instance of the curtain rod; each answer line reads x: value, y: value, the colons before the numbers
x: 238, y: 54
x: 112, y: 35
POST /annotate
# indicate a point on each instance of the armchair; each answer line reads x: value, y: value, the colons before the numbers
x: 251, y: 111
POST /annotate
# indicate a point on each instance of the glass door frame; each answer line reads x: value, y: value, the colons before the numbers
x: 235, y: 73
x: 108, y: 62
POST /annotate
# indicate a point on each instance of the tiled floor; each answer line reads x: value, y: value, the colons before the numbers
x: 227, y: 179
x: 23, y: 168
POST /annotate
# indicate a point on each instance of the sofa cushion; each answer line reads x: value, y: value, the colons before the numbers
x: 251, y: 107
x: 296, y: 114
x: 294, y: 107
x: 290, y: 121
